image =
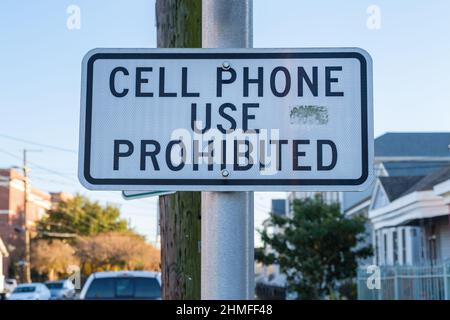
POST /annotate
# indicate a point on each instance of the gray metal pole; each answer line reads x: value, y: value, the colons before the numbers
x: 227, y: 254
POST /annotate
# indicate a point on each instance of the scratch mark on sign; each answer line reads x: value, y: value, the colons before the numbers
x: 309, y: 115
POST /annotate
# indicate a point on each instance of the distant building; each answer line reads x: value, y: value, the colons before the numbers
x: 271, y: 283
x: 57, y: 197
x: 12, y: 199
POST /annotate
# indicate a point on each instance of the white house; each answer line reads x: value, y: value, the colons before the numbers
x: 411, y: 219
x: 397, y: 154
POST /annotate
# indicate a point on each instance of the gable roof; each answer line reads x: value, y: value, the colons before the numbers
x: 395, y: 187
x: 413, y: 168
x: 429, y: 181
x: 413, y: 144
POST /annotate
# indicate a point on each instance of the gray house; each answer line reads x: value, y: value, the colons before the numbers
x: 401, y: 160
x: 410, y: 220
x: 404, y: 163
x: 399, y: 154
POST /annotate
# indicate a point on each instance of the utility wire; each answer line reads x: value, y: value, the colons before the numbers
x: 44, y: 145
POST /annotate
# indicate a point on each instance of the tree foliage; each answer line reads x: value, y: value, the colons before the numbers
x: 80, y: 216
x: 79, y: 231
x: 318, y: 248
x: 52, y: 258
x: 116, y: 251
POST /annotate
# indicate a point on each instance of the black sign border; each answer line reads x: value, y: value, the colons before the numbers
x: 229, y: 182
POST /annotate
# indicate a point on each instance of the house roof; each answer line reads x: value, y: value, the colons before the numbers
x: 395, y: 187
x: 413, y: 168
x: 404, y: 145
x: 429, y: 181
x: 413, y: 144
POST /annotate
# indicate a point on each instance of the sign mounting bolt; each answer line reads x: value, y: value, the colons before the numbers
x: 226, y: 65
x: 225, y: 173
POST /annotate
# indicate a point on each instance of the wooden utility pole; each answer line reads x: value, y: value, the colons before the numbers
x: 179, y: 26
x: 26, y: 267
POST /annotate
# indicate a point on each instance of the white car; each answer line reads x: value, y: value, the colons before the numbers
x: 61, y: 289
x: 30, y: 291
x: 122, y: 285
x: 10, y: 285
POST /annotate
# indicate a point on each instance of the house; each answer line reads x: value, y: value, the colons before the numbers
x: 401, y: 154
x: 410, y: 217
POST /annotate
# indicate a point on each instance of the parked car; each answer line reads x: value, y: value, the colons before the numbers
x: 30, y: 291
x: 61, y: 289
x: 122, y: 285
x: 10, y: 285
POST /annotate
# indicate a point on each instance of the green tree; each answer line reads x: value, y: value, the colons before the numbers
x: 80, y: 216
x: 318, y: 248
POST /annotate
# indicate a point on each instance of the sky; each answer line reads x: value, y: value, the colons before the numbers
x: 40, y: 76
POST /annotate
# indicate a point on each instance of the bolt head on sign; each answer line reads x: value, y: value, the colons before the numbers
x: 226, y: 119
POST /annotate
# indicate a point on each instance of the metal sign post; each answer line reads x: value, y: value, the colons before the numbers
x: 227, y: 267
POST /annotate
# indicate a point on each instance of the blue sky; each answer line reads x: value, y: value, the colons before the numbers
x: 40, y: 71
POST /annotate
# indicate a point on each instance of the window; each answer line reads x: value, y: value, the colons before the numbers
x: 432, y: 245
x: 395, y: 244
x: 385, y: 247
x: 101, y: 289
x: 403, y: 247
x: 24, y: 289
x: 377, y: 258
x: 124, y: 288
x: 147, y: 288
x: 54, y: 285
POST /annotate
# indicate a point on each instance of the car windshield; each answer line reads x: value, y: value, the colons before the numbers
x: 54, y: 285
x: 24, y: 289
x: 124, y: 288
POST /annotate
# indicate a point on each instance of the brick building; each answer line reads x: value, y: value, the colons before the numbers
x: 12, y: 198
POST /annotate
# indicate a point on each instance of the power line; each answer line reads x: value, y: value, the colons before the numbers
x: 60, y: 174
x: 11, y: 154
x: 37, y: 143
x: 37, y: 166
x: 102, y: 225
x: 34, y: 177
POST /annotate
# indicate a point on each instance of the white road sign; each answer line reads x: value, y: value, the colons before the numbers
x: 226, y: 119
